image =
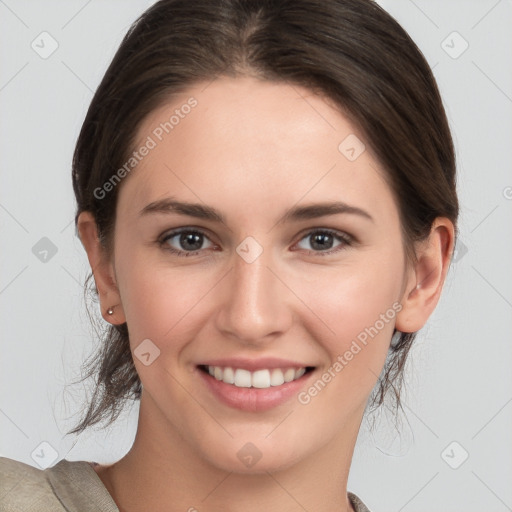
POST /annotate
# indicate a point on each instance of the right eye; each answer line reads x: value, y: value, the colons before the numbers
x: 185, y: 242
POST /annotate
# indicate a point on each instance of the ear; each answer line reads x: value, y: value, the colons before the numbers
x: 102, y: 269
x: 425, y: 281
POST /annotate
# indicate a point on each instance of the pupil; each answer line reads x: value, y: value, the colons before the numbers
x: 190, y: 241
x: 321, y: 241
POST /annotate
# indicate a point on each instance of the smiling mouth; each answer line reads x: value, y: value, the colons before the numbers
x: 260, y: 379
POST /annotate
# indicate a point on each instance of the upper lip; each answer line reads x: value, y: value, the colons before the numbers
x: 254, y: 364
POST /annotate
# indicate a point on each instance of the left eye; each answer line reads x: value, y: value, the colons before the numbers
x: 323, y: 241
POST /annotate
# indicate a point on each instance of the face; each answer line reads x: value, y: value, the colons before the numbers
x: 292, y: 259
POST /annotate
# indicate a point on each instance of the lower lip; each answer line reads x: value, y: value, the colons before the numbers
x: 253, y: 399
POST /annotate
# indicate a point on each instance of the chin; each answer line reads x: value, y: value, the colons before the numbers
x: 254, y: 455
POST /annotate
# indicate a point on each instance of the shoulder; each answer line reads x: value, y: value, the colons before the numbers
x: 23, y: 487
x: 357, y: 503
x: 68, y: 485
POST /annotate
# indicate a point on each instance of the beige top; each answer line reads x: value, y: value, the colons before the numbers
x: 69, y: 486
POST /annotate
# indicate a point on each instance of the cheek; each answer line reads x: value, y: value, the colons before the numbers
x: 361, y: 310
x: 355, y: 309
x: 160, y: 301
x: 163, y: 306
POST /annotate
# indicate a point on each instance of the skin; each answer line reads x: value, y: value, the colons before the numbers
x: 291, y: 302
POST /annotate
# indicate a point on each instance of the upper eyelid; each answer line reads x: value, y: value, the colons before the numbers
x: 173, y: 232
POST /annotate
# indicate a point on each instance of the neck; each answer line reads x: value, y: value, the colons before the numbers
x: 161, y: 472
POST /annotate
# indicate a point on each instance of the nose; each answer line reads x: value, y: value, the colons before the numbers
x: 255, y: 306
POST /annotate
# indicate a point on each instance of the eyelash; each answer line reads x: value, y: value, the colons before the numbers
x: 346, y: 240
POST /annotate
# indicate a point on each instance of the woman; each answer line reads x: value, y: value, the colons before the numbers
x: 266, y: 195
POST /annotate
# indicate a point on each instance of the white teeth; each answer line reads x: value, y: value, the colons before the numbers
x: 242, y: 378
x: 276, y: 377
x: 261, y: 379
x: 300, y: 372
x: 229, y: 376
x: 289, y: 375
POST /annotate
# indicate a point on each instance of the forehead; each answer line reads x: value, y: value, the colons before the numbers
x: 261, y: 143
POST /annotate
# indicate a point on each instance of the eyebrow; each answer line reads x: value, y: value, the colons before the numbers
x: 297, y: 213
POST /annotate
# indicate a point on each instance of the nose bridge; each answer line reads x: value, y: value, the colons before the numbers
x: 254, y: 307
x: 252, y: 282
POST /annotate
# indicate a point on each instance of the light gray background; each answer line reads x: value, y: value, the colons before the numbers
x: 459, y: 385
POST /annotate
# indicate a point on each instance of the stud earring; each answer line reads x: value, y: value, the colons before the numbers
x: 110, y: 311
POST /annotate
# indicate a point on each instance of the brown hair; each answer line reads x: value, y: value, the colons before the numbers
x: 350, y: 51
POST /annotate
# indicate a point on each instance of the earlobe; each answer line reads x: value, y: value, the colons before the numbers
x: 114, y: 315
x: 102, y: 269
x: 426, y: 282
